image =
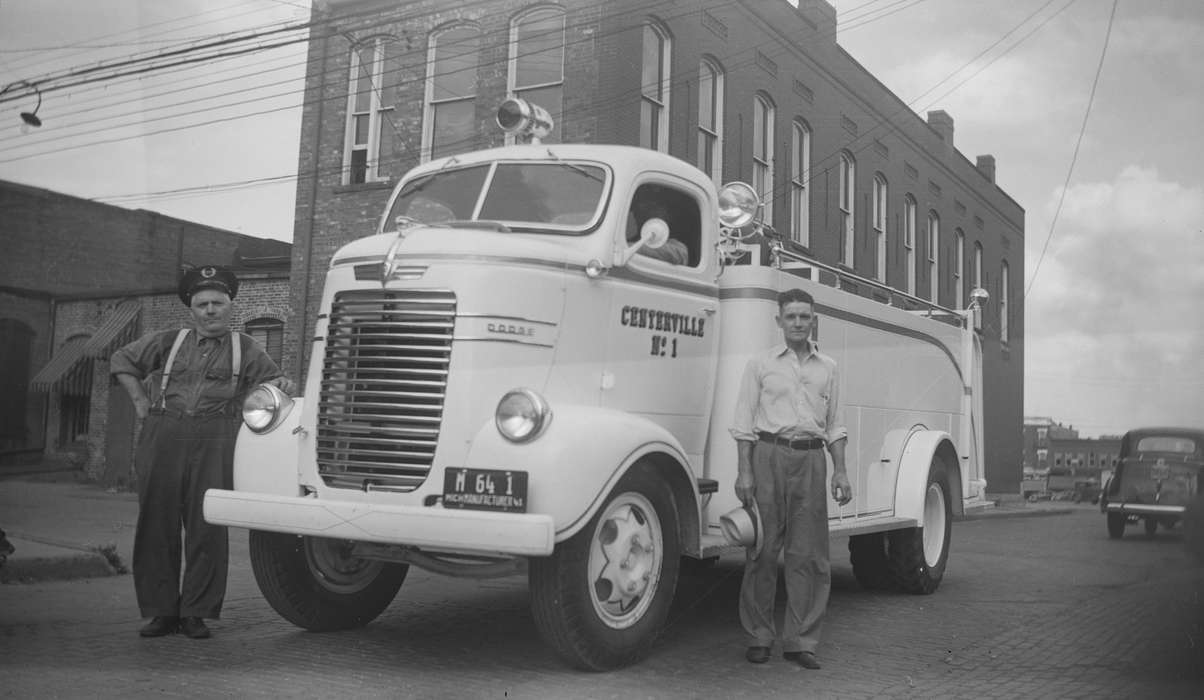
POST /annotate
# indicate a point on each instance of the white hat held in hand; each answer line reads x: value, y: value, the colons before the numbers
x: 742, y: 526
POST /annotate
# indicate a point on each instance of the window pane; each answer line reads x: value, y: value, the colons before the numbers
x: 454, y: 71
x: 540, y: 50
x: 364, y: 56
x: 361, y: 129
x: 706, y: 98
x: 453, y: 127
x: 649, y: 124
x: 758, y: 129
x: 359, y: 166
x: 653, y: 50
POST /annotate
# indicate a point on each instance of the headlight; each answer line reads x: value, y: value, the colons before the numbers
x: 265, y: 407
x: 522, y: 415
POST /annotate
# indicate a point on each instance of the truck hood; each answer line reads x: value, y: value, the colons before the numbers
x: 468, y: 243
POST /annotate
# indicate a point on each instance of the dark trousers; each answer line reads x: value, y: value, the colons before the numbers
x: 791, y: 494
x: 177, y: 460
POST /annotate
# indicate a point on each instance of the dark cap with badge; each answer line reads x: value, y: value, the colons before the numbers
x: 207, y: 277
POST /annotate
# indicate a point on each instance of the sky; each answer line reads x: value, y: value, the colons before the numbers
x: 1108, y: 171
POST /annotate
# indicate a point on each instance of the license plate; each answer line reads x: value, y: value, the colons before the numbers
x: 1160, y: 471
x: 485, y: 489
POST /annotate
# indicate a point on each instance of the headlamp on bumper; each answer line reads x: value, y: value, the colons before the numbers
x: 265, y: 408
x: 522, y: 415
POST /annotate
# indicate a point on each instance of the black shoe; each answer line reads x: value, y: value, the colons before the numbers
x: 757, y: 655
x: 194, y: 628
x: 160, y: 626
x: 805, y: 659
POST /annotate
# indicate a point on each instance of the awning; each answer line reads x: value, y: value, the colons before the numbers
x: 64, y: 367
x: 117, y: 330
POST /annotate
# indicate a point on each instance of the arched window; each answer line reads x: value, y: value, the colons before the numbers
x: 848, y: 194
x: 909, y: 242
x: 979, y: 282
x: 449, y: 123
x: 763, y: 138
x: 370, y: 99
x: 536, y: 67
x: 710, y: 119
x: 1004, y: 301
x: 959, y: 269
x: 800, y: 176
x: 268, y: 332
x: 654, y: 88
x: 934, y: 249
x: 880, y: 219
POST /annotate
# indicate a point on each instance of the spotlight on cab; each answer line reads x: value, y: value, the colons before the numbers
x: 524, y: 119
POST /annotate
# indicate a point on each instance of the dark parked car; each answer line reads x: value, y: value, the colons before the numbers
x: 1157, y: 477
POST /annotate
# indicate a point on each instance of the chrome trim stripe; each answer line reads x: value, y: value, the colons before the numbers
x: 523, y: 319
x: 481, y: 339
x: 1139, y: 508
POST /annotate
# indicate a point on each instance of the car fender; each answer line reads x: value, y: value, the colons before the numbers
x: 269, y: 462
x: 914, y: 462
x: 582, y: 453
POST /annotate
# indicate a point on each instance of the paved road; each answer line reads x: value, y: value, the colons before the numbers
x: 1043, y: 607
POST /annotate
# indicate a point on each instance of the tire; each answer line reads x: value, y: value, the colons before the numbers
x: 1116, y: 525
x: 917, y: 555
x: 870, y: 561
x: 313, y: 582
x: 601, y: 607
x: 1151, y: 526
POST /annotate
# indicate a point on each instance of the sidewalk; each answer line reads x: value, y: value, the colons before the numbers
x: 64, y: 529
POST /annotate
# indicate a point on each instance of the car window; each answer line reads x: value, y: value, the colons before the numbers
x: 1162, y: 443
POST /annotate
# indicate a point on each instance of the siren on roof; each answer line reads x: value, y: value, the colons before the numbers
x: 524, y: 119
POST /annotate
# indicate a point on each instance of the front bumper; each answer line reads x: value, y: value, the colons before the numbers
x: 1144, y: 509
x: 433, y: 529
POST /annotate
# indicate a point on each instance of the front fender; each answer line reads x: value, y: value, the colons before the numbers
x: 914, y: 463
x: 268, y: 463
x: 578, y: 459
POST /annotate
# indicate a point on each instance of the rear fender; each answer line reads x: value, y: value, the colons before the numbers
x: 581, y: 456
x: 914, y: 464
x: 268, y: 463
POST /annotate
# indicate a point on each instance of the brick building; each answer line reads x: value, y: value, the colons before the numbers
x: 1039, y: 433
x: 77, y: 280
x: 753, y: 90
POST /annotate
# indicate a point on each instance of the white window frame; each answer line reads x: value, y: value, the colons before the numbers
x: 978, y: 284
x: 880, y: 219
x: 800, y: 180
x: 959, y: 269
x: 710, y: 70
x: 764, y: 114
x: 654, y: 107
x: 375, y: 112
x: 1004, y: 293
x: 847, y: 204
x: 431, y: 104
x: 512, y: 86
x: 934, y: 249
x: 909, y: 242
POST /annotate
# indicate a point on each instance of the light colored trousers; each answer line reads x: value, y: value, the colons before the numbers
x: 792, y: 496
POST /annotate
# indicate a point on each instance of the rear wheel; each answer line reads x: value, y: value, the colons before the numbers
x: 917, y: 555
x: 869, y: 558
x: 1116, y: 525
x: 316, y: 584
x: 601, y: 599
x: 1151, y: 526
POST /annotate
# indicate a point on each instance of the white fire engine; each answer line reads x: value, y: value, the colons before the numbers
x: 532, y: 367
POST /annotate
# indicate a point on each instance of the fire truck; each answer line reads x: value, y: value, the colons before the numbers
x: 531, y: 368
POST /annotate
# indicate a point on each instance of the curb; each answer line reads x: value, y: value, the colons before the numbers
x: 994, y: 513
x: 36, y: 560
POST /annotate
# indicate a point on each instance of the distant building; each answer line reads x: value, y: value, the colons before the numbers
x: 752, y: 90
x: 77, y: 280
x: 1038, y: 432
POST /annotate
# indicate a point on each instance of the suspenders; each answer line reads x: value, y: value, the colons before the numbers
x: 235, y: 364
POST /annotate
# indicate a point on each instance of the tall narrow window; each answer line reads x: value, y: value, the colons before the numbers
x: 848, y: 179
x: 880, y: 226
x: 451, y: 90
x: 710, y: 119
x: 370, y: 99
x: 269, y: 333
x: 654, y: 89
x: 959, y: 269
x: 763, y: 137
x: 800, y: 175
x: 934, y: 244
x: 536, y: 71
x: 1004, y: 293
x: 978, y: 280
x: 909, y: 242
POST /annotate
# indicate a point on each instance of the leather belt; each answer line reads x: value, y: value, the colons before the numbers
x: 800, y: 444
x: 172, y: 413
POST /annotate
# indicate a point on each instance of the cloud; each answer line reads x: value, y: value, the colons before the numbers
x: 1114, y: 329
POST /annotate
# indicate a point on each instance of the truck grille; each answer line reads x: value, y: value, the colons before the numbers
x: 383, y: 386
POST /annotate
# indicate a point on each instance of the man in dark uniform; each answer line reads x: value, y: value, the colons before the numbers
x: 188, y: 386
x: 787, y: 411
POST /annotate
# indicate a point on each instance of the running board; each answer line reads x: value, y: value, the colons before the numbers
x: 714, y: 545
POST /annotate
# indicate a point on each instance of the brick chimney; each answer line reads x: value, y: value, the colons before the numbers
x: 986, y: 166
x: 820, y: 14
x: 942, y: 124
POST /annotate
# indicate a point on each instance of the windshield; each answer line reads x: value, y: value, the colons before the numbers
x: 1166, y: 443
x: 558, y: 196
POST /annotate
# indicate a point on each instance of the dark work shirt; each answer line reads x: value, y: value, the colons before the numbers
x: 201, y: 374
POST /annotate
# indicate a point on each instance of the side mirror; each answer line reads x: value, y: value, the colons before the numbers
x: 654, y: 233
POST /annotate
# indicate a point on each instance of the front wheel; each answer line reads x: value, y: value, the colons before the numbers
x: 601, y: 599
x: 917, y: 555
x: 316, y: 584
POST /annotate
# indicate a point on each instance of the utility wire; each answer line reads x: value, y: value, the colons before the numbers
x: 1075, y: 156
